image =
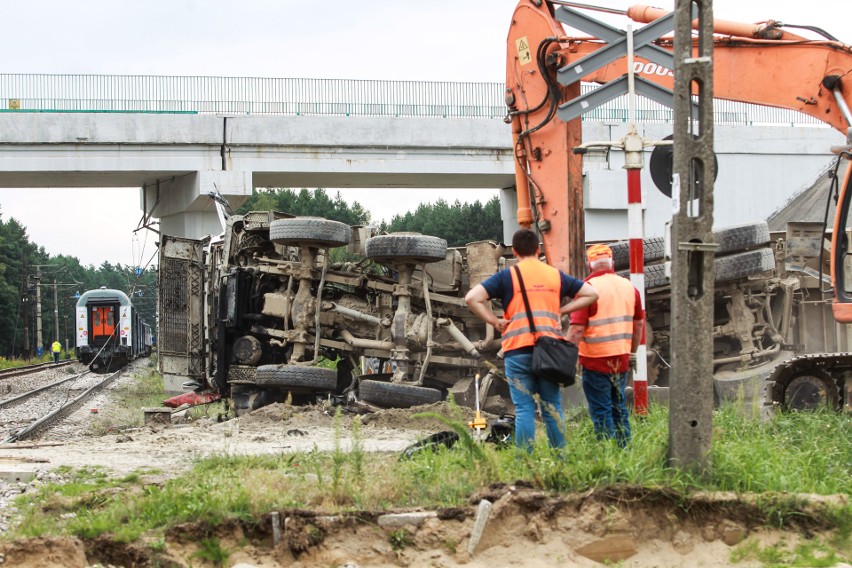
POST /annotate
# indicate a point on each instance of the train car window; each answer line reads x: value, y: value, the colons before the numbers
x: 96, y: 318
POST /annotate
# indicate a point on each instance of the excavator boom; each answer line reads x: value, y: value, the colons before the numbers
x: 753, y: 63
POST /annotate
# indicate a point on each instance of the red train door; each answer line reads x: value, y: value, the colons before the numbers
x: 103, y: 323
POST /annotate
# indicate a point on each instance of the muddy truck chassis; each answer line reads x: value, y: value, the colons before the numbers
x: 266, y: 306
x: 240, y: 314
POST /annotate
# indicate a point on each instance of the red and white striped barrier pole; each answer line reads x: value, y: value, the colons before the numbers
x: 633, y: 147
x: 636, y: 231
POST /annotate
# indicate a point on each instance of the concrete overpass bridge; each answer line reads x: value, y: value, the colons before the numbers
x: 64, y: 131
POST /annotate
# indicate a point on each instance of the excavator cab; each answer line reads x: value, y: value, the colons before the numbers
x: 842, y: 307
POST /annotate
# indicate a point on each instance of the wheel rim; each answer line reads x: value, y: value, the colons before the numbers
x: 809, y: 392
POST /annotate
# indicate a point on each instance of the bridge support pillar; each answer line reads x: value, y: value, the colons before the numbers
x: 509, y: 212
x: 183, y: 203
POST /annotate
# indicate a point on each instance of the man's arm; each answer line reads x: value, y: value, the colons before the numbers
x: 575, y: 333
x: 638, y: 329
x: 480, y: 304
x: 638, y: 322
x: 584, y: 298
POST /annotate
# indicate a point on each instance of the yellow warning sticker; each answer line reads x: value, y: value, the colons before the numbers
x: 523, y: 50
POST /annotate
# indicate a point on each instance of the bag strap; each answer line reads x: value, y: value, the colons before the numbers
x: 526, y: 300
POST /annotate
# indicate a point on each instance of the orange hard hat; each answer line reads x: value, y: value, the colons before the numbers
x: 595, y: 252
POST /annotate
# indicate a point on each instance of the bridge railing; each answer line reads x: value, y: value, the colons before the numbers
x: 322, y: 97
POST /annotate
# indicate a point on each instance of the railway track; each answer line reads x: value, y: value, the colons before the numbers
x: 30, y: 369
x: 34, y: 411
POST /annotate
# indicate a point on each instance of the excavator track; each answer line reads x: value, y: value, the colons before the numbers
x: 809, y: 381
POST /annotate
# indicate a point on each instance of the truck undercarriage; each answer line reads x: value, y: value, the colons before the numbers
x: 258, y: 314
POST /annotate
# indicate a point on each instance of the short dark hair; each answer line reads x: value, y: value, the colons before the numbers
x: 525, y: 242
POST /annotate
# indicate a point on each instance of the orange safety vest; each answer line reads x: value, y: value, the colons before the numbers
x: 543, y: 285
x: 610, y: 331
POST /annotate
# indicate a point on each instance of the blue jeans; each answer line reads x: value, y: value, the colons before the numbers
x: 607, y: 406
x: 522, y: 386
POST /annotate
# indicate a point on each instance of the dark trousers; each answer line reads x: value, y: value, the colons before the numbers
x: 607, y: 406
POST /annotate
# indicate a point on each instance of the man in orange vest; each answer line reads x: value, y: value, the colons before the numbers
x: 545, y: 287
x: 607, y: 334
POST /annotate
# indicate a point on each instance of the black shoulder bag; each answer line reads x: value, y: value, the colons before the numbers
x: 554, y: 358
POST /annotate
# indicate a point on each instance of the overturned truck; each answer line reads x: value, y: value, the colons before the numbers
x: 303, y: 308
x: 256, y: 313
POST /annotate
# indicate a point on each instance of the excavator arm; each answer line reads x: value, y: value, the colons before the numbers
x: 753, y: 63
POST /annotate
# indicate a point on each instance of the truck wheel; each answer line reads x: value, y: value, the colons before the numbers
x: 402, y: 247
x: 394, y: 395
x: 652, y: 247
x: 297, y: 377
x: 741, y: 237
x: 309, y: 230
x: 730, y: 385
x: 808, y: 390
x: 744, y: 264
x: 655, y: 276
x: 728, y: 268
x: 729, y: 239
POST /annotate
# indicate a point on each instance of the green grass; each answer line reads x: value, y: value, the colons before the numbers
x: 812, y: 554
x: 15, y: 363
x: 212, y: 551
x: 781, y: 460
x: 145, y: 390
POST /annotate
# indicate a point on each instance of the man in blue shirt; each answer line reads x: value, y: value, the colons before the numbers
x: 545, y: 287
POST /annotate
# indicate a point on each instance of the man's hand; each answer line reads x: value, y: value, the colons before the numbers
x: 501, y: 324
x: 632, y: 362
x: 480, y: 304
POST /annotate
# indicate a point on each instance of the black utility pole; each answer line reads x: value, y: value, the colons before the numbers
x: 27, y: 311
x: 55, y: 313
x: 39, y: 339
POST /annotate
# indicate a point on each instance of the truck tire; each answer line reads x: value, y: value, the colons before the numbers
x: 748, y: 384
x: 309, y: 230
x: 652, y: 247
x: 744, y: 264
x: 394, y: 395
x: 729, y: 239
x: 297, y: 377
x: 242, y: 374
x: 727, y: 268
x: 406, y: 247
x: 741, y: 237
x: 655, y: 276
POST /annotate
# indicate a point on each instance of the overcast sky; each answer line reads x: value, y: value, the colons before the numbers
x: 431, y: 40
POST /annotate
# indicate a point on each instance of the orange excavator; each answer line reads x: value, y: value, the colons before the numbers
x: 763, y: 63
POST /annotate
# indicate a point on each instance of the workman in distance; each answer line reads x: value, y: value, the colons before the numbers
x: 56, y: 349
x: 607, y: 334
x: 545, y: 287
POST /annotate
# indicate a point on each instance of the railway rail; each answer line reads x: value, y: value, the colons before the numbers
x: 50, y: 402
x: 18, y: 371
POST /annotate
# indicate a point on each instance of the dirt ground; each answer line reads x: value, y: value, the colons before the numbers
x: 625, y: 526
